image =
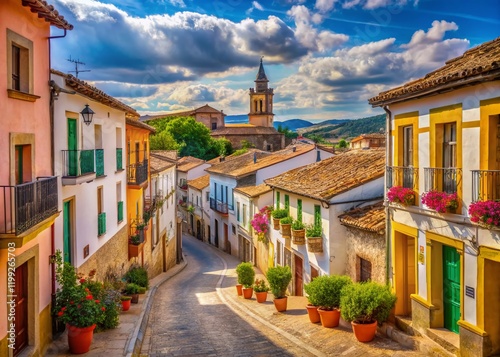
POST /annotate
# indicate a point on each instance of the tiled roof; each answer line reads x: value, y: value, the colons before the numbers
x: 253, y: 191
x: 48, y: 12
x: 244, y: 164
x: 200, y: 183
x: 96, y: 94
x: 370, y: 218
x: 185, y: 113
x: 244, y: 129
x: 325, y: 179
x: 186, y: 163
x: 139, y: 124
x: 159, y: 163
x: 479, y: 64
x: 165, y: 154
x: 329, y: 149
x: 368, y: 136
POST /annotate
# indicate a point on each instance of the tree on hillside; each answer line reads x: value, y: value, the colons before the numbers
x: 289, y: 134
x: 342, y: 144
x: 163, y: 141
x: 219, y: 147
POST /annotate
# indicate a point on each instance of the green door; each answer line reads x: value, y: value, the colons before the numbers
x: 72, y: 147
x: 451, y: 288
x: 67, y: 231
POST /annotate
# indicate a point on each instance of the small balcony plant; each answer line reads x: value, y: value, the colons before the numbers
x: 440, y: 201
x: 286, y: 226
x: 485, y: 213
x: 314, y: 234
x: 278, y: 214
x: 298, y: 232
x: 401, y: 195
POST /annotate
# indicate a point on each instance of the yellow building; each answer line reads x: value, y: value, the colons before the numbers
x: 444, y: 141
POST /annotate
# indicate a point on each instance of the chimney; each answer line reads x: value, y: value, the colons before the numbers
x: 222, y: 159
x: 294, y: 148
x: 254, y: 157
x: 318, y: 156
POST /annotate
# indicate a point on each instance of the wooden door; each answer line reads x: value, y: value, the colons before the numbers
x: 72, y: 148
x: 216, y: 243
x: 451, y: 288
x: 21, y: 298
x: 67, y: 231
x: 227, y: 246
x: 298, y: 275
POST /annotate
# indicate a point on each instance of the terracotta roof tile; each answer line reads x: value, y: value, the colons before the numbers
x: 368, y: 136
x: 200, y: 183
x: 244, y: 164
x: 139, y: 124
x: 244, y: 129
x: 187, y: 163
x: 370, y: 218
x: 253, y: 191
x: 325, y: 179
x: 48, y: 12
x: 165, y: 154
x: 479, y: 64
x: 158, y: 163
x: 184, y: 113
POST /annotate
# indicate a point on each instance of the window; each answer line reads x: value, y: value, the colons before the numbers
x: 101, y: 215
x: 287, y: 203
x: 207, y: 196
x: 238, y: 211
x: 119, y: 202
x: 19, y: 64
x: 214, y: 125
x: 277, y: 199
x: 450, y: 145
x: 299, y: 210
x: 314, y: 272
x: 408, y: 146
x: 317, y: 215
x: 233, y: 228
x: 364, y: 269
x: 244, y: 215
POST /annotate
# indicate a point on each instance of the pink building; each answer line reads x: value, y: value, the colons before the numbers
x: 28, y: 188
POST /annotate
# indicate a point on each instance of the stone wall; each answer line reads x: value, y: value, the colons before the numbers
x: 369, y: 246
x: 260, y: 141
x: 170, y: 252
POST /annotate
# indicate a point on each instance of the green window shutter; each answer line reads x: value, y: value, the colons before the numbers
x: 120, y: 211
x: 287, y: 203
x: 299, y: 210
x: 317, y: 215
x: 277, y: 199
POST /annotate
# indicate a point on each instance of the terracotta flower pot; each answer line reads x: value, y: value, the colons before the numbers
x: 247, y: 293
x: 329, y: 318
x: 261, y: 296
x: 239, y: 289
x: 280, y: 304
x: 80, y: 338
x: 126, y: 305
x: 364, y: 332
x: 313, y: 313
x: 276, y: 223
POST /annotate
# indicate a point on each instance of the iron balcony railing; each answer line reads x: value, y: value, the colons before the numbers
x: 78, y: 162
x: 99, y: 162
x: 120, y: 211
x: 119, y: 159
x: 26, y: 205
x: 402, y: 176
x: 218, y: 206
x: 485, y: 185
x: 442, y: 179
x: 101, y: 223
x: 183, y: 184
x: 137, y: 173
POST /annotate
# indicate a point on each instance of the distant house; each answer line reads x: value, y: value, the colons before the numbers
x: 199, y: 207
x: 317, y: 194
x: 368, y: 141
x: 212, y: 118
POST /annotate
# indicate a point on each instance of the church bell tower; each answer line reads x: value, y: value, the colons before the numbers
x: 261, y: 101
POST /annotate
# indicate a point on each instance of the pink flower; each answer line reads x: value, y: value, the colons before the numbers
x: 439, y: 201
x: 487, y: 212
x: 403, y: 195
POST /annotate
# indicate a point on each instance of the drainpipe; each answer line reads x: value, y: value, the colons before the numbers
x: 388, y: 162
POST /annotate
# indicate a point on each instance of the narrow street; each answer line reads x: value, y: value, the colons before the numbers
x: 196, y: 314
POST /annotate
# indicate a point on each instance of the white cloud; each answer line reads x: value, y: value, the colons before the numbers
x: 325, y: 5
x: 179, y: 3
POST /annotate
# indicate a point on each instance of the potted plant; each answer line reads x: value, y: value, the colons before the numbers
x: 485, y: 214
x: 190, y: 209
x: 246, y: 277
x: 260, y: 224
x: 314, y: 234
x: 126, y: 302
x: 279, y: 277
x: 325, y: 291
x: 298, y: 232
x: 401, y: 195
x: 313, y: 304
x: 261, y: 288
x: 364, y: 305
x: 440, y: 201
x: 278, y: 214
x: 132, y: 290
x: 76, y: 306
x: 138, y: 275
x: 286, y: 225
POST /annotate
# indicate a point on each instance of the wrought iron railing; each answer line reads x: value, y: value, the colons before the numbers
x: 485, y: 185
x: 183, y: 184
x: 26, y: 205
x: 119, y: 159
x: 120, y: 211
x: 137, y: 173
x: 101, y: 223
x: 402, y: 176
x: 218, y: 206
x: 442, y: 179
x: 99, y: 162
x: 77, y: 162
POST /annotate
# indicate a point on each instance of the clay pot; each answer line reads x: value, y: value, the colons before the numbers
x: 261, y: 296
x: 239, y: 289
x: 280, y: 304
x: 247, y: 293
x: 329, y: 318
x: 313, y: 313
x: 364, y: 332
x: 80, y: 338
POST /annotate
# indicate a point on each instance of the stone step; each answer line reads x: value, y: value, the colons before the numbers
x: 404, y: 324
x: 445, y: 338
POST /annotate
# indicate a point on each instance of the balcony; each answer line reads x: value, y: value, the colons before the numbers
x: 485, y: 185
x: 442, y: 179
x: 119, y: 159
x: 99, y: 162
x: 183, y: 184
x: 78, y: 166
x: 25, y: 207
x: 402, y: 176
x: 101, y: 224
x: 218, y: 206
x: 137, y: 174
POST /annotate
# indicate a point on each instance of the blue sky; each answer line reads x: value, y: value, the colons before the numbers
x: 324, y: 58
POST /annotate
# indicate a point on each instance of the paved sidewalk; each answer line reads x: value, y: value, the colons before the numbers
x: 129, y: 334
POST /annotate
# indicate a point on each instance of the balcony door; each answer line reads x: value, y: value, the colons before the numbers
x: 72, y: 147
x: 408, y: 156
x: 449, y: 156
x: 67, y: 231
x: 21, y: 307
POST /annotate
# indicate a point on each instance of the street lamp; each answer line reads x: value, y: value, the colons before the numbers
x: 87, y: 114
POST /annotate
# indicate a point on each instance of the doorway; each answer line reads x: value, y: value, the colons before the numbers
x: 451, y: 288
x: 72, y: 148
x: 492, y: 303
x: 405, y: 271
x: 216, y: 243
x: 21, y: 299
x: 227, y: 246
x: 299, y: 276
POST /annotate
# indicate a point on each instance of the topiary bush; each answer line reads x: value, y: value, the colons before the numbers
x: 137, y: 275
x: 324, y: 291
x: 366, y: 302
x: 279, y: 277
x: 246, y: 274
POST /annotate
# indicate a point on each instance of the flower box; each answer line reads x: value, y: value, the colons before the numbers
x: 485, y: 214
x: 315, y: 244
x: 402, y: 195
x: 299, y: 236
x: 134, y: 250
x: 286, y: 230
x: 440, y: 201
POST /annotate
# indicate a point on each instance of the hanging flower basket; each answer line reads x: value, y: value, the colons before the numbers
x: 402, y: 195
x: 440, y: 201
x: 485, y: 214
x: 260, y: 224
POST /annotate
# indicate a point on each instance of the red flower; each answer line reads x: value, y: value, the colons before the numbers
x: 97, y: 301
x: 60, y: 313
x: 71, y: 302
x: 63, y: 308
x: 89, y: 297
x: 79, y: 306
x: 103, y: 308
x: 82, y: 281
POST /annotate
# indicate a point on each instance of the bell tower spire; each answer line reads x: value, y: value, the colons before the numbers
x: 261, y: 100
